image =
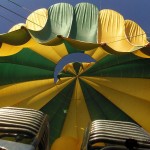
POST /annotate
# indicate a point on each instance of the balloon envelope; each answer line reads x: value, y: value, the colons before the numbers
x: 111, y: 83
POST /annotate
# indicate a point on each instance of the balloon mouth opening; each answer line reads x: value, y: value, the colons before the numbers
x: 72, y: 62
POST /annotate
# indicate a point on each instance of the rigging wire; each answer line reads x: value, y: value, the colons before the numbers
x: 100, y: 1
x: 58, y: 23
x: 26, y: 9
x: 24, y: 17
x: 20, y: 15
x: 45, y: 16
x: 126, y: 38
x: 7, y: 19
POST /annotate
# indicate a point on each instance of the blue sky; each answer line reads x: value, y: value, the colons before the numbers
x: 136, y: 10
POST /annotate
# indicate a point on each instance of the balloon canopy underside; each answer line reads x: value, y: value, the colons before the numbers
x: 77, y: 64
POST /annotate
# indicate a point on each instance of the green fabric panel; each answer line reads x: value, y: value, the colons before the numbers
x: 135, y: 70
x: 17, y: 37
x: 71, y: 49
x: 112, y: 60
x: 100, y: 107
x: 56, y: 111
x: 77, y: 66
x: 64, y: 74
x: 59, y: 23
x: 27, y: 57
x: 85, y: 23
x: 67, y: 74
x: 121, y: 66
x: 94, y: 110
x: 13, y: 73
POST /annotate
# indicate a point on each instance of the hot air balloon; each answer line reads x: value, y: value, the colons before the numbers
x: 77, y: 64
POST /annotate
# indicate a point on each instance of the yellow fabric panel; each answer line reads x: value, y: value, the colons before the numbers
x: 37, y: 19
x: 69, y: 67
x: 142, y: 53
x: 66, y: 143
x: 110, y: 27
x: 80, y: 44
x: 39, y: 100
x: 97, y: 53
x: 81, y: 70
x: 85, y: 66
x: 15, y: 93
x: 16, y: 27
x: 6, y: 49
x: 60, y: 49
x: 111, y: 30
x: 137, y: 87
x: 90, y: 52
x: 53, y: 53
x: 135, y: 33
x: 45, y: 51
x: 137, y: 108
x: 75, y: 123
